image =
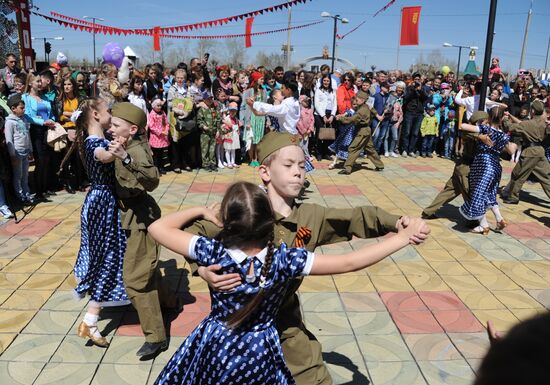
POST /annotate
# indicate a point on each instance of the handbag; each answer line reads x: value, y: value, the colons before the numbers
x: 327, y: 133
x: 57, y: 137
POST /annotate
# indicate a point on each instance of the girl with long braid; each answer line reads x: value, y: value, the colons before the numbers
x: 238, y: 342
x: 98, y: 267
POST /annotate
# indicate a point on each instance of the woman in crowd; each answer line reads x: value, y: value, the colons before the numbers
x: 519, y: 98
x: 152, y: 87
x: 223, y: 81
x: 325, y: 111
x: 182, y: 122
x: 108, y: 86
x: 72, y: 170
x: 39, y: 110
x: 254, y: 126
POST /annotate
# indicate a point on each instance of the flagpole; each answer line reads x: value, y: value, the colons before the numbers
x: 399, y: 39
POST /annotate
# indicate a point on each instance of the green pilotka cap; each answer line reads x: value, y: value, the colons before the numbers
x: 274, y: 141
x: 130, y: 113
x: 363, y: 95
x: 477, y: 116
x: 538, y: 107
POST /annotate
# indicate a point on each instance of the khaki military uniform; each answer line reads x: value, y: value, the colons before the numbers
x: 302, y: 352
x: 209, y: 121
x: 363, y: 138
x: 139, y: 210
x: 458, y: 183
x: 532, y: 159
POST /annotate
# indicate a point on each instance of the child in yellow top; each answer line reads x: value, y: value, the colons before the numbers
x: 428, y: 130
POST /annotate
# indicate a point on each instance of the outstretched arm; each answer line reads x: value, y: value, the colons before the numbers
x: 167, y: 230
x: 469, y: 127
x: 324, y: 264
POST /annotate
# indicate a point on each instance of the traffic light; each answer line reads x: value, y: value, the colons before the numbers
x: 48, y: 47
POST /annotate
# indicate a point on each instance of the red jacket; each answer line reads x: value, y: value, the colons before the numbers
x: 343, y: 98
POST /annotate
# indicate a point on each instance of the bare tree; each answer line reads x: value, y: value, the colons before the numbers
x: 235, y: 53
x: 431, y: 64
x: 270, y: 60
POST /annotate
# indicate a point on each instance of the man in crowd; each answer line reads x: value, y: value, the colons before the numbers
x: 9, y: 72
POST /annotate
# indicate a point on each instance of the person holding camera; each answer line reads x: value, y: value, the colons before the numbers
x: 413, y: 100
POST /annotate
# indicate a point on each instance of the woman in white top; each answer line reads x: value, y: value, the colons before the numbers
x: 325, y: 110
x: 472, y: 102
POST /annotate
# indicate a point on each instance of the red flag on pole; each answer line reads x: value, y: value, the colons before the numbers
x: 410, y: 17
x: 156, y: 39
x: 247, y: 39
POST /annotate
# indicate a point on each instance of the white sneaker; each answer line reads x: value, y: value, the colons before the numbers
x: 404, y: 154
x: 220, y: 165
x: 5, y: 211
x: 386, y: 154
x: 394, y: 155
x: 412, y: 154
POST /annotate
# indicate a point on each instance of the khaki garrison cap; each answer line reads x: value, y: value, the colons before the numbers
x: 130, y: 113
x: 274, y: 141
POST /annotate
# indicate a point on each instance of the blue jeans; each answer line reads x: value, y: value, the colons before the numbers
x: 393, y: 140
x: 380, y: 136
x: 20, y: 167
x: 427, y: 144
x: 448, y: 137
x: 409, y: 134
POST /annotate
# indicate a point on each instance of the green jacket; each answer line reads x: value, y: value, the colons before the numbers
x: 532, y: 131
x: 209, y: 120
x: 361, y: 118
x: 139, y: 209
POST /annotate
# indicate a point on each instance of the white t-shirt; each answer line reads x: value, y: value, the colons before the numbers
x: 287, y: 113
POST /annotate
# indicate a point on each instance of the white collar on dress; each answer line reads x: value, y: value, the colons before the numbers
x: 239, y: 256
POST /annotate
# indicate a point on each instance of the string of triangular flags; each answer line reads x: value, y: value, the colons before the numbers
x: 100, y: 28
x: 340, y: 37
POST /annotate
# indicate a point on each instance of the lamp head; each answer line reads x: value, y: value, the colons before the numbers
x: 344, y: 20
x: 447, y: 45
x: 325, y: 14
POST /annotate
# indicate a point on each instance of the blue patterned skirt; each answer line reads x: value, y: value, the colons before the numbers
x: 342, y: 142
x: 98, y: 267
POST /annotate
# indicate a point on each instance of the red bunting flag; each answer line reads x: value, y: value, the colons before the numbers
x: 156, y: 39
x: 247, y: 39
x: 410, y: 17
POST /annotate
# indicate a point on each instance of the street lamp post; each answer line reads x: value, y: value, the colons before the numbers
x: 45, y: 39
x: 336, y: 18
x: 459, y: 54
x: 93, y: 22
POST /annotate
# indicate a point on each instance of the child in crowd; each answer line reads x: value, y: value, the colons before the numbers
x: 136, y: 94
x: 239, y: 336
x: 208, y: 120
x: 99, y: 264
x: 19, y: 84
x: 428, y: 129
x: 306, y: 124
x: 448, y: 133
x: 517, y: 139
x: 275, y: 98
x: 159, y: 129
x: 345, y: 136
x: 230, y: 136
x: 18, y: 143
x: 222, y: 103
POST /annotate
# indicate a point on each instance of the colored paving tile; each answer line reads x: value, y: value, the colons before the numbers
x: 417, y: 317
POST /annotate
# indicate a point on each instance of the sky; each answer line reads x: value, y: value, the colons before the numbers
x: 374, y: 43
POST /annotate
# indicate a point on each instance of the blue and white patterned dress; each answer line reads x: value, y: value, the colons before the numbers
x: 485, y: 174
x: 346, y: 133
x: 251, y: 354
x: 98, y: 267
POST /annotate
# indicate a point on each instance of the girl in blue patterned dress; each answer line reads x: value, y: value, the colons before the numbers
x: 238, y: 342
x: 486, y: 171
x: 346, y: 133
x: 98, y: 267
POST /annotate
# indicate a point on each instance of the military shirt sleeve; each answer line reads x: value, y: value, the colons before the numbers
x: 143, y: 168
x: 339, y: 225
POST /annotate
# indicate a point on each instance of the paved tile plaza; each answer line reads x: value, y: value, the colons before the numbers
x: 414, y: 318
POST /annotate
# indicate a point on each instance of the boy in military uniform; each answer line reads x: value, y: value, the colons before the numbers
x: 300, y: 225
x: 209, y: 120
x: 532, y: 159
x: 135, y: 176
x: 363, y: 138
x: 458, y: 183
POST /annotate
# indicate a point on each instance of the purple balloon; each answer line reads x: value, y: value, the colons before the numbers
x: 113, y: 53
